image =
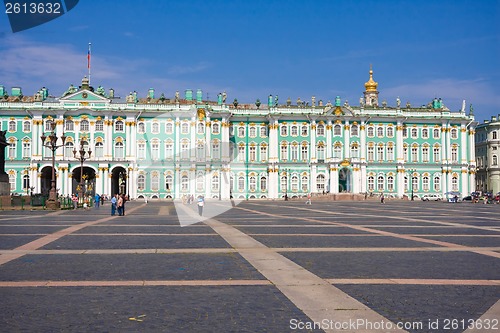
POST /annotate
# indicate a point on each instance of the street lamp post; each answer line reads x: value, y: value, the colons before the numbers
x: 52, y: 202
x: 411, y: 171
x: 286, y: 184
x: 82, y: 155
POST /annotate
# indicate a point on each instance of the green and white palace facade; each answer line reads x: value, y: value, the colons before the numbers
x: 170, y: 147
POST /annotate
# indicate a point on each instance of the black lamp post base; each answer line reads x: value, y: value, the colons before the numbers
x: 52, y: 204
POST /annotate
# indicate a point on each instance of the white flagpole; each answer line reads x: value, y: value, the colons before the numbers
x: 88, y: 61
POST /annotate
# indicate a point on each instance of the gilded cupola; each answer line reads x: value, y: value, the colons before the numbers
x: 371, y: 85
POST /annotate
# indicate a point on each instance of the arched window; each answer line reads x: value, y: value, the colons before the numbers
x: 215, y: 183
x: 454, y: 133
x: 425, y: 133
x: 70, y: 125
x: 494, y: 135
x: 241, y: 131
x: 99, y: 150
x: 119, y: 126
x: 284, y: 183
x: 99, y: 126
x: 295, y: 183
x: 155, y: 128
x: 337, y: 130
x: 263, y: 184
x: 390, y: 183
x: 241, y: 183
x: 119, y: 151
x: 200, y: 181
x: 380, y: 131
x: 48, y: 125
x: 294, y: 130
x: 68, y: 149
x: 12, y: 126
x: 320, y: 183
x: 320, y: 130
x: 200, y: 151
x: 252, y: 183
x: 84, y: 125
x: 26, y: 149
x: 263, y: 131
x: 27, y: 126
x: 303, y: 130
x: 304, y: 183
x: 354, y: 130
x: 494, y: 160
x: 141, y: 182
x: 184, y: 183
x: 320, y: 151
x: 380, y: 183
x: 436, y: 133
x: 437, y: 183
x: 26, y: 182
x: 390, y: 131
x: 141, y: 128
x: 425, y: 183
x: 169, y: 128
x: 284, y: 130
x: 252, y: 131
x: 155, y: 181
x: 370, y: 131
x: 215, y: 128
x: 454, y: 183
x: 169, y: 182
x: 201, y: 128
x: 185, y: 128
x: 371, y: 183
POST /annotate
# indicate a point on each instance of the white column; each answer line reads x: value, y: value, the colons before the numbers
x: 314, y: 188
x: 107, y: 181
x: 273, y: 183
x: 328, y: 150
x: 334, y: 179
x: 312, y: 148
x: 35, y: 141
x: 273, y: 141
x: 362, y: 141
x: 472, y: 161
x: 347, y: 138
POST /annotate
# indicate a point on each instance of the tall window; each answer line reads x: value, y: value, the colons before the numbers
x: 201, y: 128
x: 12, y: 150
x: 283, y: 182
x: 454, y: 183
x: 283, y: 130
x: 12, y: 126
x: 99, y: 126
x: 405, y: 153
x: 294, y: 152
x: 200, y: 181
x: 141, y: 150
x: 26, y: 149
x: 252, y: 131
x: 119, y: 126
x: 215, y: 183
x: 185, y: 150
x: 454, y: 133
x: 390, y: 131
x: 294, y: 183
x: 294, y: 130
x: 155, y: 128
x: 241, y: 131
x: 414, y: 133
x: 68, y: 150
x: 436, y: 133
x: 320, y: 151
x: 155, y: 150
x: 241, y: 153
x: 12, y: 181
x: 454, y: 154
x: 119, y: 151
x: 155, y: 181
x: 99, y: 150
x: 425, y: 133
x: 184, y: 183
x: 26, y: 182
x: 380, y: 183
x: 304, y: 183
x: 84, y: 125
x: 380, y: 131
x: 69, y: 125
x: 263, y: 131
x: 303, y: 130
x: 414, y: 181
x: 141, y: 182
x: 169, y: 150
x: 284, y: 152
x: 354, y: 130
x: 437, y: 154
x: 337, y: 130
x: 27, y: 126
x: 185, y: 128
x: 169, y: 128
x: 252, y: 153
x: 48, y: 125
x: 304, y: 153
x: 241, y: 183
x: 320, y: 183
x: 200, y: 151
x: 263, y: 153
x: 437, y: 183
x: 370, y: 132
x: 215, y: 150
x: 371, y: 153
x: 169, y: 183
x: 252, y: 183
x: 494, y: 160
x: 414, y: 154
x: 425, y: 154
x: 390, y: 153
x: 371, y: 183
x: 320, y: 130
x: 425, y: 183
x: 263, y: 184
x: 494, y: 135
x: 215, y: 128
x: 380, y: 153
x: 390, y: 183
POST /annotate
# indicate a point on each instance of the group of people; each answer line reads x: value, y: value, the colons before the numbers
x: 118, y: 204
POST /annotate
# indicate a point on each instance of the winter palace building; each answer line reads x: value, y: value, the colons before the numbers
x: 169, y: 147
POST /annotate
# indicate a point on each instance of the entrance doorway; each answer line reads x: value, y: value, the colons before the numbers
x: 119, y: 181
x: 345, y: 180
x: 45, y: 180
x: 88, y: 181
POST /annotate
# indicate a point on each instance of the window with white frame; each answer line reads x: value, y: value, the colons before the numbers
x: 406, y: 184
x: 370, y: 132
x: 155, y: 128
x: 68, y: 149
x: 454, y: 133
x: 215, y: 182
x: 263, y: 183
x: 155, y: 181
x: 48, y: 125
x: 185, y: 128
x: 284, y: 152
x: 84, y: 125
x: 241, y: 131
x: 414, y: 181
x: 425, y: 154
x: 405, y: 154
x: 26, y: 149
x: 390, y: 131
x: 263, y: 153
x: 380, y: 183
x: 185, y: 150
x: 169, y: 182
x: 263, y: 131
x: 200, y: 151
x: 494, y: 160
x: 141, y: 182
x: 141, y: 150
x: 12, y: 181
x: 337, y: 130
x: 12, y: 150
x: 320, y: 183
x: 380, y: 131
x: 200, y: 181
x: 184, y: 183
x: 354, y: 130
x: 252, y: 131
x: 414, y: 154
x: 371, y: 183
x: 99, y: 126
x: 380, y: 153
x: 241, y: 153
x: 320, y: 130
x: 119, y: 150
x: 169, y: 127
x: 26, y: 182
x: 390, y: 153
x: 119, y: 126
x: 304, y: 183
x: 241, y: 183
x: 294, y: 152
x: 436, y: 133
x: 320, y: 152
x: 390, y: 183
x: 69, y: 125
x: 437, y: 183
x: 294, y: 182
x: 99, y: 150
x: 425, y: 133
x: 337, y: 151
x: 26, y: 126
x: 215, y: 150
x: 454, y: 154
x: 304, y: 154
x: 454, y: 183
x: 414, y: 133
x: 354, y: 151
x: 215, y: 128
x: 283, y: 130
x: 252, y: 183
x: 169, y: 150
x: 370, y: 154
x: 437, y: 154
x: 155, y: 150
x: 425, y: 183
x: 252, y: 153
x: 201, y: 128
x: 303, y: 130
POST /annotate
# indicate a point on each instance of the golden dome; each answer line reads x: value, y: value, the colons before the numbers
x: 371, y: 85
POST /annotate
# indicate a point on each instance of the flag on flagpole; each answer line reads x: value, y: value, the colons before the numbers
x: 88, y: 58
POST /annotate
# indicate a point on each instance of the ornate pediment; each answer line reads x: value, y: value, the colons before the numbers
x: 84, y: 96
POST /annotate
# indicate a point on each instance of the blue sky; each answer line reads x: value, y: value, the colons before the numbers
x: 253, y: 48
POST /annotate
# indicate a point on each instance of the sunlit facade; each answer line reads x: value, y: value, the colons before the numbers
x: 169, y: 147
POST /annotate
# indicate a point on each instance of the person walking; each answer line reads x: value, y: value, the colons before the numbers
x: 74, y: 198
x: 125, y: 199
x: 382, y: 198
x: 97, y: 200
x: 308, y: 202
x: 201, y: 204
x: 113, y: 205
x: 119, y: 205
